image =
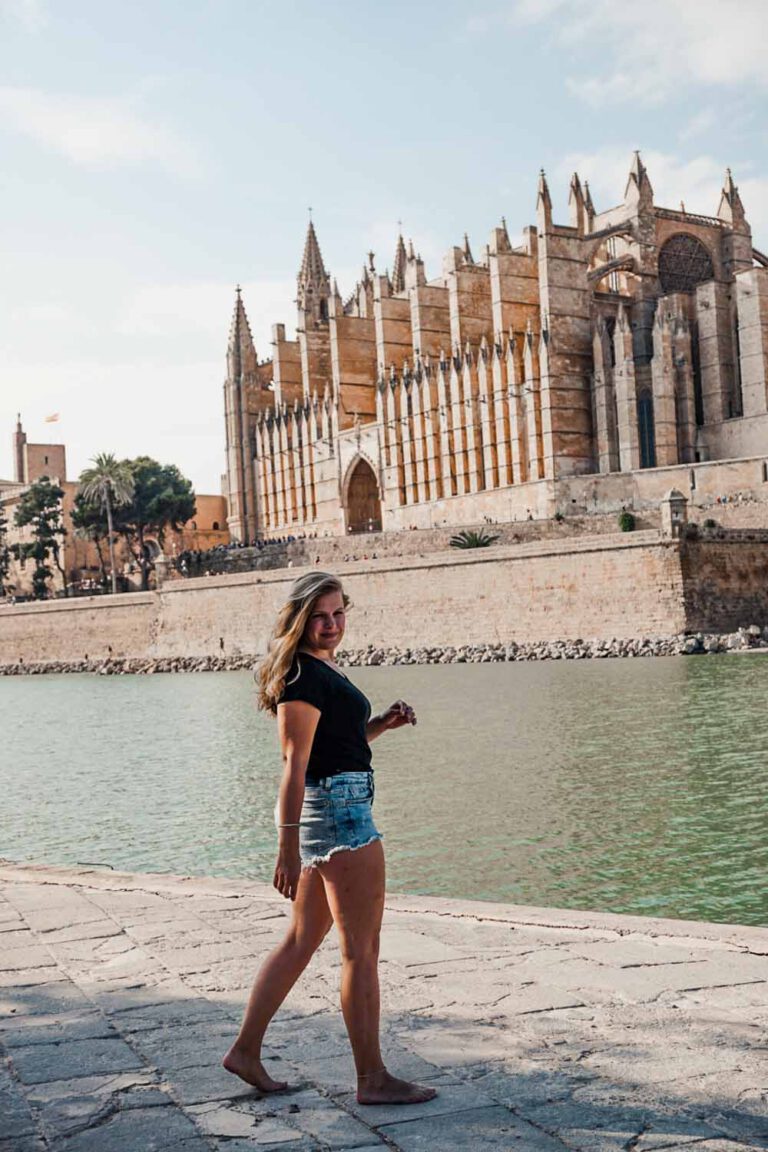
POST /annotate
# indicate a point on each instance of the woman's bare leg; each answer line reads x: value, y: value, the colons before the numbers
x: 354, y: 885
x: 277, y: 975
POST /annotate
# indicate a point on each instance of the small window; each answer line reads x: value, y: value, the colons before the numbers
x: 693, y: 479
x: 765, y: 472
x: 215, y: 525
x: 46, y: 459
x: 194, y: 525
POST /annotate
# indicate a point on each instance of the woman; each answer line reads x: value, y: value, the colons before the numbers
x: 330, y: 859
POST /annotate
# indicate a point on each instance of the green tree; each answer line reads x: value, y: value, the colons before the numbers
x: 40, y: 509
x: 89, y: 522
x: 5, y: 551
x: 162, y: 498
x: 109, y: 484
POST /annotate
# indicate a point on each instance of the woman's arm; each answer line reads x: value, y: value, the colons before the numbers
x: 395, y: 716
x: 296, y: 725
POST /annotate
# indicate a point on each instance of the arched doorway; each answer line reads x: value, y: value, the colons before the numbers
x: 363, y: 503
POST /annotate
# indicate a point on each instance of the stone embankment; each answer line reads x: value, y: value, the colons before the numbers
x: 700, y: 643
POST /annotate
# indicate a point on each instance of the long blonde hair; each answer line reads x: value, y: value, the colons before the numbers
x: 288, y: 631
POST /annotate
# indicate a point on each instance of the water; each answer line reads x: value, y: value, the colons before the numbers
x: 625, y: 785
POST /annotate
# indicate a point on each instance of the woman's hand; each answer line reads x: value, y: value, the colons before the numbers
x: 397, y: 715
x: 287, y: 872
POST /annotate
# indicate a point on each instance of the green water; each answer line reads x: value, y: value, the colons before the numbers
x: 621, y: 785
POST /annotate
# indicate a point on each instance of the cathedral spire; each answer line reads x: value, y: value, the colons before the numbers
x: 241, y: 351
x: 312, y: 267
x: 638, y: 193
x: 314, y: 286
x: 398, y: 268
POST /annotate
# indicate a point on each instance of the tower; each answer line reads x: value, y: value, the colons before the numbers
x: 241, y: 369
x: 19, y: 444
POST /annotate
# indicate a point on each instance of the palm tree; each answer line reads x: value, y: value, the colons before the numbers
x: 109, y: 483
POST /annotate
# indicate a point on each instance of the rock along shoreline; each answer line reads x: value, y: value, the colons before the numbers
x: 701, y: 643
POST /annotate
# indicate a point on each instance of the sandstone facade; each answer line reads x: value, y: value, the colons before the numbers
x: 582, y: 361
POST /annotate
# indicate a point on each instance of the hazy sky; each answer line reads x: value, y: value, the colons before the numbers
x: 156, y: 152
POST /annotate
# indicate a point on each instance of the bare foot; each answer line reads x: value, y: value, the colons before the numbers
x: 382, y: 1088
x: 251, y: 1069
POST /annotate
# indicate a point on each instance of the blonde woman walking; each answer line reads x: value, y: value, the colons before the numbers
x: 330, y: 860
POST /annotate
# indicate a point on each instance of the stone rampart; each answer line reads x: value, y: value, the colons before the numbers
x: 725, y: 581
x: 90, y: 627
x: 614, y: 586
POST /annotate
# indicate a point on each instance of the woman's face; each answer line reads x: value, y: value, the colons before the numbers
x: 325, y: 627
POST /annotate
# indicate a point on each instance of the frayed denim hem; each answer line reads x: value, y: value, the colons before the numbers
x: 313, y: 861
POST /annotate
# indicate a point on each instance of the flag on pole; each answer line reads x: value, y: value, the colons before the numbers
x: 52, y: 419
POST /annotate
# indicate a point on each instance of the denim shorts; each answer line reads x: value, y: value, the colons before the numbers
x: 336, y: 817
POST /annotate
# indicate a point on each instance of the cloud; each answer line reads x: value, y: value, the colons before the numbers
x: 30, y: 14
x: 94, y: 132
x: 658, y: 47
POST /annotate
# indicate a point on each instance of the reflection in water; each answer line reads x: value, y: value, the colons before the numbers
x: 634, y: 785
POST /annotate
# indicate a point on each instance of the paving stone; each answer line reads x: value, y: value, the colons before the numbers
x: 16, y: 1119
x: 20, y: 959
x: 55, y: 996
x: 28, y: 977
x: 467, y: 1131
x: 88, y: 930
x: 24, y: 1031
x: 43, y: 1062
x: 64, y: 1106
x: 209, y: 1082
x: 185, y: 1045
x: 452, y: 1096
x: 332, y: 1127
x: 194, y: 1010
x: 145, y: 1129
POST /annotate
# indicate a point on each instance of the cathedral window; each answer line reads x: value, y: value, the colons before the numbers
x: 684, y: 262
x: 647, y: 434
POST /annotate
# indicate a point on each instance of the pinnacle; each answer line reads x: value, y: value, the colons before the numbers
x: 544, y: 189
x: 240, y: 330
x: 398, y: 268
x: 312, y: 267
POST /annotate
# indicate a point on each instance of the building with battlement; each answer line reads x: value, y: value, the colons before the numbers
x: 83, y: 560
x: 586, y: 369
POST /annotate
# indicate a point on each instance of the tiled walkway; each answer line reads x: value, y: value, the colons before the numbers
x: 544, y: 1030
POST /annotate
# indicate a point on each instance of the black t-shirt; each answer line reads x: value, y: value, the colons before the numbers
x: 340, y: 743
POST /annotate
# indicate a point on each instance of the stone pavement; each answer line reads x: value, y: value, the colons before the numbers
x: 544, y: 1029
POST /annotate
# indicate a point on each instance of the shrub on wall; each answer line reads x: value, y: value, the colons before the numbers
x: 627, y: 522
x: 469, y: 539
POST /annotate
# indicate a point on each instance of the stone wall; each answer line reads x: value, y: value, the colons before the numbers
x: 75, y: 629
x: 725, y: 582
x: 623, y: 586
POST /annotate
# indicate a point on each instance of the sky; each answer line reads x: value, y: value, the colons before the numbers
x: 158, y: 152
